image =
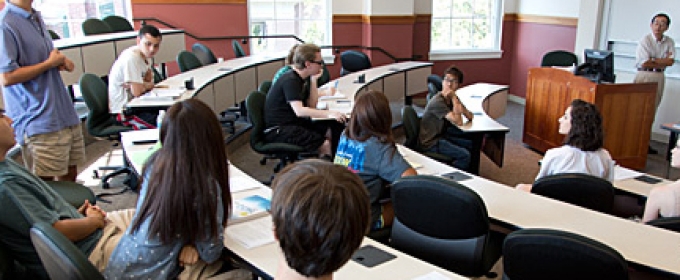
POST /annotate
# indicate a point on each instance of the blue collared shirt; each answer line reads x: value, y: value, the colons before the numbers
x: 41, y: 105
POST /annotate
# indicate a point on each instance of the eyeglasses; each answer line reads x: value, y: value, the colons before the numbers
x: 450, y: 80
x: 320, y: 62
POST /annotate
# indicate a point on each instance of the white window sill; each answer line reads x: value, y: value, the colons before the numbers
x: 465, y: 54
x: 328, y: 59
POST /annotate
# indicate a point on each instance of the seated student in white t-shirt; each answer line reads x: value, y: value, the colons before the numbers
x: 664, y: 201
x: 582, y: 151
x: 131, y: 76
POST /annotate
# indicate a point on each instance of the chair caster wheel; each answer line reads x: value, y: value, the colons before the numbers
x: 95, y: 174
x: 105, y: 185
x: 263, y: 161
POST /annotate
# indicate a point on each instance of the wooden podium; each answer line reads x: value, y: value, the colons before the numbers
x: 627, y: 113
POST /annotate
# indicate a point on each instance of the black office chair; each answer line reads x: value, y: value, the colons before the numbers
x: 444, y: 223
x: 100, y: 123
x: 203, y: 53
x: 532, y: 254
x: 187, y: 61
x: 238, y: 50
x: 118, y: 23
x: 283, y: 151
x: 353, y: 61
x: 265, y: 86
x: 559, y: 58
x: 411, y: 124
x: 74, y: 193
x: 53, y: 34
x: 434, y: 85
x: 93, y: 26
x: 157, y: 76
x: 60, y: 257
x: 579, y: 189
x: 669, y: 223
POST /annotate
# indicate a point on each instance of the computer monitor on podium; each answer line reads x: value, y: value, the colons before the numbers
x: 599, y: 66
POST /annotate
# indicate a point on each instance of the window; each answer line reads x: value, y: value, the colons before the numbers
x: 309, y: 20
x: 65, y: 17
x: 466, y: 29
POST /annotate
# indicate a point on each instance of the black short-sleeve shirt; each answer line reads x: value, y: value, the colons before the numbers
x: 289, y: 87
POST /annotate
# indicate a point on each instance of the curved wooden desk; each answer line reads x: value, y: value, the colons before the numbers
x: 398, y: 81
x: 220, y: 85
x: 264, y: 259
x: 640, y: 244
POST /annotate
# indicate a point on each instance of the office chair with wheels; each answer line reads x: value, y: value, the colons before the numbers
x: 579, y: 189
x: 93, y: 26
x: 353, y: 61
x: 118, y: 23
x: 559, y: 58
x: 238, y: 50
x: 669, y: 223
x: 434, y: 85
x: 60, y: 257
x: 265, y: 86
x: 74, y: 193
x: 283, y: 151
x: 187, y: 61
x: 203, y: 53
x: 532, y: 254
x: 444, y: 223
x: 411, y: 124
x: 100, y: 123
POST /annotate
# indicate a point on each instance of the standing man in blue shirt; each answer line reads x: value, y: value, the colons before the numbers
x: 47, y: 126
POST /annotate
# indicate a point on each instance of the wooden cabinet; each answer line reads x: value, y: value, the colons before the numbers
x: 627, y: 112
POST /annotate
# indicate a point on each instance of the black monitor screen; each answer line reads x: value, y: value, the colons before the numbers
x: 599, y: 65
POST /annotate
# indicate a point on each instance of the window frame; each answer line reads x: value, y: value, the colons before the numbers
x: 472, y: 53
x: 328, y: 24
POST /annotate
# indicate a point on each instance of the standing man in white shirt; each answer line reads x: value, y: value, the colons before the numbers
x: 655, y: 52
x: 131, y: 76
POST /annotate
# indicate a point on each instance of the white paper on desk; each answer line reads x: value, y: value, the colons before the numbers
x: 252, y: 234
x: 156, y: 98
x: 238, y: 184
x: 166, y: 92
x: 432, y: 276
x: 413, y: 163
x: 622, y: 173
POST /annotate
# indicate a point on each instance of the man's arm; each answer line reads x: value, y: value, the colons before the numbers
x: 77, y: 229
x: 459, y: 110
x: 137, y: 89
x: 313, y: 98
x: 302, y: 111
x: 27, y: 73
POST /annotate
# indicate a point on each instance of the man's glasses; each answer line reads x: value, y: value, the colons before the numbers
x: 450, y: 80
x: 320, y: 62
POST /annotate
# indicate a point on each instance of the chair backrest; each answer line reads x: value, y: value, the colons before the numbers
x: 559, y: 58
x: 92, y: 26
x: 265, y: 86
x: 352, y: 61
x: 255, y: 106
x: 53, y: 34
x: 100, y: 122
x: 203, y: 53
x: 441, y: 222
x: 157, y: 76
x: 118, y: 23
x: 238, y: 50
x: 187, y: 61
x: 579, y: 189
x: 669, y: 223
x: 60, y: 257
x: 411, y: 124
x: 434, y: 85
x: 530, y: 254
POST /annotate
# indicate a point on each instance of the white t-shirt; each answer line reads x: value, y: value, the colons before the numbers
x: 568, y: 159
x: 649, y: 47
x: 130, y: 67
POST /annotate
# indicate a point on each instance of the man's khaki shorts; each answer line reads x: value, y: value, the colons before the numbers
x: 50, y: 154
